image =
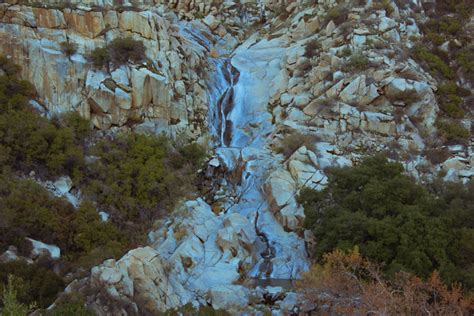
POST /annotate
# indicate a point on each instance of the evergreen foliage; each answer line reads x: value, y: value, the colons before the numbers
x: 394, y: 220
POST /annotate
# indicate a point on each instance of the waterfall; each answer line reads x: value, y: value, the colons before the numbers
x: 239, y: 90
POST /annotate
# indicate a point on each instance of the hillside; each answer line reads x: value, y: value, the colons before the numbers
x: 166, y: 155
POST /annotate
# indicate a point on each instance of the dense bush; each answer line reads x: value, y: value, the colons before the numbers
x: 28, y: 141
x: 433, y: 61
x: 34, y: 284
x: 394, y: 220
x: 139, y: 177
x: 465, y: 59
x: 9, y: 304
x: 119, y: 52
x: 100, y: 57
x: 452, y: 131
x: 28, y: 210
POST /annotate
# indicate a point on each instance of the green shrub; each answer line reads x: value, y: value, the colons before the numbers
x: 465, y: 59
x: 123, y: 50
x: 436, y: 38
x: 100, y: 57
x: 451, y: 105
x: 28, y: 210
x: 357, y: 62
x: 337, y: 14
x: 434, y: 62
x: 9, y: 300
x: 29, y: 141
x: 393, y: 220
x: 346, y: 52
x: 68, y: 48
x: 38, y: 285
x: 119, y: 52
x: 452, y: 131
x: 137, y: 177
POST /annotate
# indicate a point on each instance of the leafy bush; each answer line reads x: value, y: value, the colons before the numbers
x: 28, y: 210
x: 139, y: 177
x: 451, y: 104
x: 37, y: 285
x: 9, y: 300
x: 119, y: 52
x: 100, y: 57
x: 393, y: 220
x: 68, y: 48
x: 465, y: 59
x: 434, y: 62
x: 452, y: 131
x: 123, y: 50
x: 29, y: 141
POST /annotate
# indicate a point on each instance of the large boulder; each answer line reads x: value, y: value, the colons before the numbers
x: 141, y: 276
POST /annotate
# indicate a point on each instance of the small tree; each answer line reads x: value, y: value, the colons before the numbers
x: 11, y: 305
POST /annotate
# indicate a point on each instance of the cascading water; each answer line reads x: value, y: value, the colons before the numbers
x: 221, y: 87
x: 239, y: 90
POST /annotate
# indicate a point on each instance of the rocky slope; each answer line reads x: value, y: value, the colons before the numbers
x: 285, y: 89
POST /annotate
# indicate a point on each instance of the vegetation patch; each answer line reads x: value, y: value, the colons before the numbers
x: 136, y: 179
x: 119, y: 52
x: 452, y: 130
x: 68, y: 48
x: 347, y: 283
x: 357, y: 62
x: 394, y: 220
x: 337, y: 14
x: 293, y: 141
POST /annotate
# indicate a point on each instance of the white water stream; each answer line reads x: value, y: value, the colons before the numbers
x: 239, y: 94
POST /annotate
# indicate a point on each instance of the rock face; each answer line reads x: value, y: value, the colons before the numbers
x: 156, y: 94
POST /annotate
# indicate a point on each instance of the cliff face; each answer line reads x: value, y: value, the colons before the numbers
x: 166, y: 93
